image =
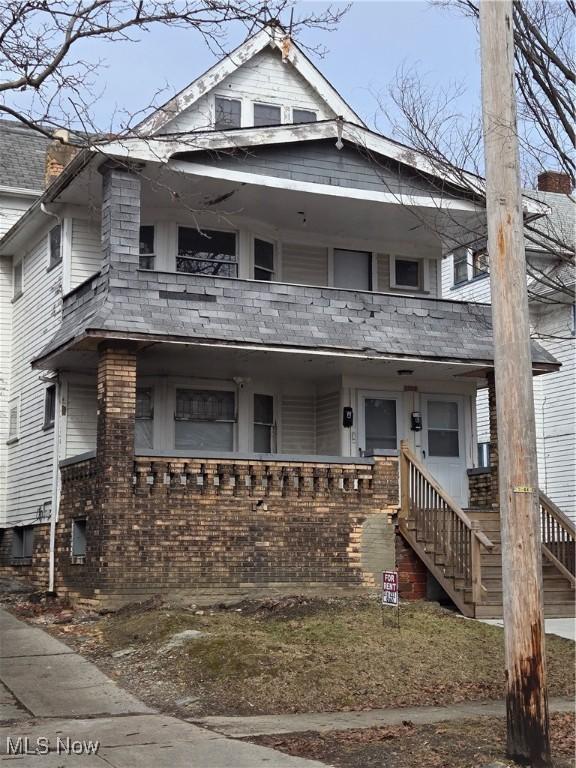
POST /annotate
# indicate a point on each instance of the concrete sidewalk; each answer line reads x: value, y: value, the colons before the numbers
x: 51, y: 696
x: 321, y: 722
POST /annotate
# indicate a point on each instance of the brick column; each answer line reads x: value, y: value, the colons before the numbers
x: 120, y: 221
x: 495, y: 494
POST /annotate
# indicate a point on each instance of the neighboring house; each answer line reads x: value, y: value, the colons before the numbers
x: 551, y: 283
x: 225, y: 334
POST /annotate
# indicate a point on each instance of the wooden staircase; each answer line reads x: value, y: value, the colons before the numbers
x: 462, y: 548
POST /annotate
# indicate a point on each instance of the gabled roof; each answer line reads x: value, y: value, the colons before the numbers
x: 273, y: 37
x: 22, y: 157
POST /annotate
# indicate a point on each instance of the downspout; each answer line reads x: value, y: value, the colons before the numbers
x: 55, y: 462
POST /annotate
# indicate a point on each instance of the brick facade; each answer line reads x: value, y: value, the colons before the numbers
x: 412, y: 573
x: 34, y: 572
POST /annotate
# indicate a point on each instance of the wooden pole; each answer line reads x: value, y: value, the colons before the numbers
x: 526, y: 699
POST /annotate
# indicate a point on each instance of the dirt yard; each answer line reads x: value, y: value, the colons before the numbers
x: 293, y: 655
x: 462, y: 744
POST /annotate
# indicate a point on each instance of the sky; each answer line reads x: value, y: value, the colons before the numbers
x: 363, y: 54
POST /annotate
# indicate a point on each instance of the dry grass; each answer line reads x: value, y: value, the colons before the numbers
x: 308, y: 656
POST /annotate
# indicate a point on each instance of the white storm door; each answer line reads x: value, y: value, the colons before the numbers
x: 379, y: 417
x: 443, y: 443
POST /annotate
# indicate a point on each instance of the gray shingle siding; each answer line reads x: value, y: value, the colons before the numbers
x: 249, y: 312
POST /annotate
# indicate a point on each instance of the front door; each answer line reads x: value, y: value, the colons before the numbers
x: 378, y: 422
x: 443, y: 443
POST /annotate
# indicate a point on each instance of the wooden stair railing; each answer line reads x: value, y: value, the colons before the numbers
x: 558, y: 538
x: 451, y: 540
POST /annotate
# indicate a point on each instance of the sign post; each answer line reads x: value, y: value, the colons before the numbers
x: 390, y: 592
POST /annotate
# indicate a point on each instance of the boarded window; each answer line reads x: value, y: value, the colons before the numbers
x: 227, y: 113
x: 352, y: 269
x: 303, y: 116
x: 263, y: 423
x: 144, y: 426
x: 204, y: 420
x: 267, y: 114
x: 22, y: 544
x: 206, y: 252
x: 147, y: 247
x: 55, y: 246
x: 79, y: 539
x: 263, y: 260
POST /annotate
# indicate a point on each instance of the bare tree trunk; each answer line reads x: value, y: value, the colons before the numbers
x: 526, y: 700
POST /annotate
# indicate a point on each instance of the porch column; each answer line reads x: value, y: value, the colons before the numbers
x: 495, y: 493
x: 116, y: 413
x: 120, y: 221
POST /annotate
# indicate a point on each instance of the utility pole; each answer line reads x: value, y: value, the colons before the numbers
x: 526, y: 697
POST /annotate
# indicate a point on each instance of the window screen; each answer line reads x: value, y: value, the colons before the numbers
x: 407, y: 273
x: 208, y: 252
x: 352, y: 269
x: 79, y: 538
x: 227, y: 113
x: 460, y: 266
x: 50, y: 406
x: 380, y: 424
x: 55, y: 245
x: 144, y: 426
x: 303, y: 116
x: 204, y: 420
x: 147, y: 246
x: 263, y: 423
x: 263, y: 260
x: 443, y: 436
x: 267, y: 114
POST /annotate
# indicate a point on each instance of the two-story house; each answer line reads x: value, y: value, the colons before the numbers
x: 551, y: 275
x: 227, y: 333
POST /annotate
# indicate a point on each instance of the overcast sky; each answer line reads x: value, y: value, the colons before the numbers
x: 374, y: 38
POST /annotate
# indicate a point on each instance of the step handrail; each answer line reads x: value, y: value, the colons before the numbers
x: 558, y: 537
x: 456, y: 508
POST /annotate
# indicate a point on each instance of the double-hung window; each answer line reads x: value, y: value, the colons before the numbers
x: 460, y: 259
x: 204, y: 419
x: 206, y: 252
x: 144, y: 426
x: 14, y: 419
x: 227, y: 113
x: 147, y: 246
x: 50, y: 406
x: 263, y: 260
x: 263, y: 423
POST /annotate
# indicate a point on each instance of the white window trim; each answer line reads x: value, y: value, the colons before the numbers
x: 423, y: 279
x: 17, y: 401
x: 227, y: 230
x: 274, y: 244
x: 17, y: 262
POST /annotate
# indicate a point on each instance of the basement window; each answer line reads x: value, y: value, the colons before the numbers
x: 303, y: 116
x: 22, y: 545
x: 227, y: 113
x: 147, y: 251
x: 267, y: 114
x: 204, y: 420
x: 55, y: 246
x: 78, y: 545
x: 206, y: 252
x: 49, y: 406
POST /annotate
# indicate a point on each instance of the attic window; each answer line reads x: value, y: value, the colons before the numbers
x: 267, y: 114
x: 227, y: 113
x: 303, y: 116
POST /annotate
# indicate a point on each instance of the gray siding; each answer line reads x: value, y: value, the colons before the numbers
x: 86, y: 258
x: 328, y: 424
x: 298, y: 424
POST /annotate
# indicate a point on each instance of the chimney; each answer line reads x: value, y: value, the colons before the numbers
x: 554, y: 181
x: 58, y: 154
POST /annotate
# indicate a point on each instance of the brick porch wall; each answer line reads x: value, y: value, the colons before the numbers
x: 34, y: 573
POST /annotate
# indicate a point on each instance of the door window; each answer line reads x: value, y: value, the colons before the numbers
x: 380, y: 424
x: 443, y: 433
x: 352, y: 269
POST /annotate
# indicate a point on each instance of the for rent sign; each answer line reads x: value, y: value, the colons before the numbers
x: 390, y: 588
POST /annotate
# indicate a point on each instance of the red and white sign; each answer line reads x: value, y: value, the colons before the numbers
x: 390, y: 588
